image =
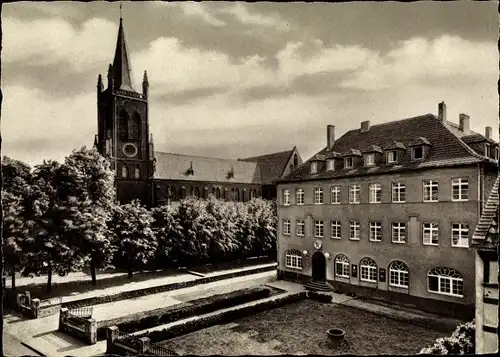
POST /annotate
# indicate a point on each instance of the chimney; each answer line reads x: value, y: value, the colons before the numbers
x: 442, y: 111
x: 464, y: 123
x: 487, y: 132
x: 365, y: 126
x: 330, y: 136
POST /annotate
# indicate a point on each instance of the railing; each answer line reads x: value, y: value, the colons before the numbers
x: 158, y: 350
x: 82, y: 312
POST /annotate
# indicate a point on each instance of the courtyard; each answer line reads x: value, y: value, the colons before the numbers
x: 300, y: 328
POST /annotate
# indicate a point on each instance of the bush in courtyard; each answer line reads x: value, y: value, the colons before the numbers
x: 319, y: 296
x: 462, y: 341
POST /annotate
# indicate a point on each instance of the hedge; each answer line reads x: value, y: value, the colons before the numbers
x: 157, y: 317
x: 462, y: 341
x: 97, y: 300
x: 221, y: 318
x: 319, y: 296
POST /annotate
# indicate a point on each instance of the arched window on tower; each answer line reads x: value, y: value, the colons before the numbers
x: 124, y: 171
x: 134, y: 127
x: 123, y: 122
x: 137, y: 173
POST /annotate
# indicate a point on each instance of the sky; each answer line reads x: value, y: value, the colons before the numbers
x: 236, y: 79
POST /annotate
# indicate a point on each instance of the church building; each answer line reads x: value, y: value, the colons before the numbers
x: 158, y: 178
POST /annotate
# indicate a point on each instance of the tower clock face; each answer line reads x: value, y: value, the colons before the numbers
x: 130, y: 149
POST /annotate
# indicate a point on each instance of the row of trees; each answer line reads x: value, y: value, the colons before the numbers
x: 62, y: 217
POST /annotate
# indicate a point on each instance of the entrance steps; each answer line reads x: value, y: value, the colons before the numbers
x: 318, y: 286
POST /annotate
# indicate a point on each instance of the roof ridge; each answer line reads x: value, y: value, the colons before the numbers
x: 197, y: 156
x: 273, y: 153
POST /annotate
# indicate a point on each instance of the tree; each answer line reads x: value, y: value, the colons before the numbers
x: 168, y: 233
x: 52, y: 245
x: 16, y: 176
x: 91, y: 181
x: 134, y: 239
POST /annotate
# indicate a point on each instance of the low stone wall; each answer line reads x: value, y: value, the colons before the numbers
x: 84, y: 329
x: 126, y: 345
x: 27, y: 306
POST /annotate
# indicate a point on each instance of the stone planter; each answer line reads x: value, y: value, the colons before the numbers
x: 335, y: 336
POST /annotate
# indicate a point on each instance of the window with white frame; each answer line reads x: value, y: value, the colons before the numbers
x: 398, y: 192
x: 301, y: 228
x: 293, y: 259
x: 369, y: 159
x: 318, y: 229
x: 398, y: 274
x: 375, y: 193
x: 375, y: 231
x: 318, y: 196
x: 398, y: 232
x: 460, y: 189
x: 460, y: 235
x: 418, y: 153
x: 342, y: 266
x: 354, y: 231
x: 336, y: 230
x: 286, y: 197
x: 348, y: 162
x: 445, y: 281
x: 286, y: 227
x: 354, y: 194
x: 392, y: 156
x: 314, y: 167
x: 430, y: 234
x: 137, y: 173
x: 430, y: 191
x: 330, y: 165
x: 368, y: 270
x: 335, y: 195
x: 299, y: 196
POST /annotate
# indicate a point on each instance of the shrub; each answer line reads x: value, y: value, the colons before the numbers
x: 319, y: 296
x: 173, y: 313
x: 462, y: 341
x: 221, y: 318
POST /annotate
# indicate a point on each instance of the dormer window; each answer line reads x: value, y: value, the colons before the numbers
x: 487, y: 150
x: 392, y: 156
x: 314, y: 167
x: 330, y: 165
x: 348, y: 162
x: 369, y: 159
x: 418, y: 153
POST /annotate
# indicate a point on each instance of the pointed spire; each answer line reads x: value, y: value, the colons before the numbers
x: 100, y: 86
x: 121, y: 64
x: 95, y: 142
x: 145, y: 84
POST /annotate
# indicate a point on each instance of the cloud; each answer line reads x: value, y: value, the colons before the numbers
x: 172, y: 67
x: 199, y: 10
x: 53, y: 41
x: 443, y: 59
x: 241, y: 13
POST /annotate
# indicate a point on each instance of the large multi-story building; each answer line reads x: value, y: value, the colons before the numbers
x: 158, y: 178
x: 388, y: 211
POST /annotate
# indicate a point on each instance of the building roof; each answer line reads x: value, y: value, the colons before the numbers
x: 271, y: 165
x: 486, y: 233
x: 121, y: 64
x: 446, y: 148
x: 171, y: 166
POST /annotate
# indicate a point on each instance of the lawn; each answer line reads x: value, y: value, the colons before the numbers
x: 300, y: 328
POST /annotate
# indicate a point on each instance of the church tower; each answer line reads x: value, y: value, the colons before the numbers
x: 123, y: 128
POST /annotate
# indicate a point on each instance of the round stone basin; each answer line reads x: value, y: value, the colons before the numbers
x: 335, y: 335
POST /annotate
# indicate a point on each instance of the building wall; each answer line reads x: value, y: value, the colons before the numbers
x: 414, y: 212
x: 161, y: 191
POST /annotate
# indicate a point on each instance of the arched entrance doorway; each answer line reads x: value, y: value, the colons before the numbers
x: 318, y: 267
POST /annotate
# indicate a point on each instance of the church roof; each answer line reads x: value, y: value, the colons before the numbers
x: 486, y: 233
x: 170, y: 166
x: 271, y: 165
x: 121, y: 64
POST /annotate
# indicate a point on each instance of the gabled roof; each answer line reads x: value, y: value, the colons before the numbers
x: 271, y: 165
x: 121, y: 64
x: 486, y: 233
x: 446, y: 150
x: 171, y: 166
